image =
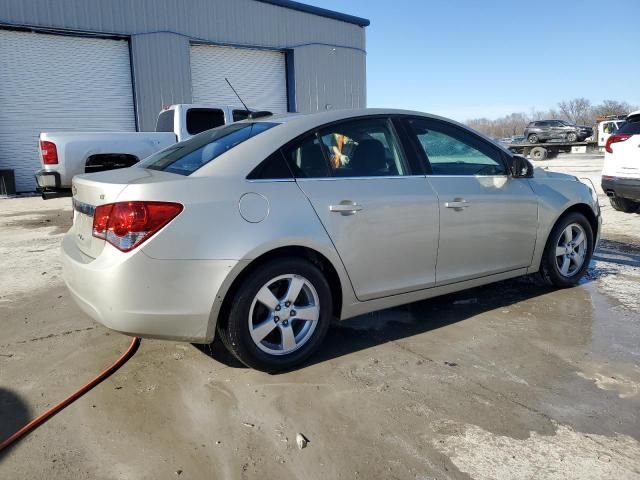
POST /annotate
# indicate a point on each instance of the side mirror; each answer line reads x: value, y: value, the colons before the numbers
x: 520, y: 167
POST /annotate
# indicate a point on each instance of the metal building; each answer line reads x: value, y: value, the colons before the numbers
x: 112, y: 64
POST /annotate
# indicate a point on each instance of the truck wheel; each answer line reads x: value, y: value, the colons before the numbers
x: 533, y: 138
x: 572, y: 137
x: 538, y: 153
x: 624, y: 204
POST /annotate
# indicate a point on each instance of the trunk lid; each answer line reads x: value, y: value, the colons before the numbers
x: 90, y: 191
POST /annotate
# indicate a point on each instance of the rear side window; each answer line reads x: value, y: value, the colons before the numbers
x: 186, y: 157
x: 165, y: 121
x: 631, y: 127
x: 201, y: 119
x: 355, y: 148
x: 274, y: 167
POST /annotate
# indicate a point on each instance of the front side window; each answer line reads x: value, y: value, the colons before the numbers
x: 452, y: 151
x: 186, y: 157
x: 356, y: 148
x: 201, y: 119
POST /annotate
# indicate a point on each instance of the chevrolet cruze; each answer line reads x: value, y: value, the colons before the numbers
x: 263, y: 231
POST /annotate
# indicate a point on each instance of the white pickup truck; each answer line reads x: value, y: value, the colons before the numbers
x: 66, y: 154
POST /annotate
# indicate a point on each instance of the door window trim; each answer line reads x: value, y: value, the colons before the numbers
x: 501, y: 156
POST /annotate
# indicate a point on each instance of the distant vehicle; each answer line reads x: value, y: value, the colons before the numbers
x: 510, y: 140
x: 544, y: 130
x: 66, y: 154
x: 606, y: 129
x: 237, y: 231
x: 621, y: 170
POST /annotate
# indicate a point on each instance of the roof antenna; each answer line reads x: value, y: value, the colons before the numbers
x: 234, y: 91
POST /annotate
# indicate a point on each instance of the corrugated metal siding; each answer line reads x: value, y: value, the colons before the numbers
x: 239, y: 22
x: 257, y: 75
x: 161, y: 73
x: 55, y: 83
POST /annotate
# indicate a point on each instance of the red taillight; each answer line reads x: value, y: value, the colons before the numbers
x: 615, y: 138
x: 125, y: 225
x: 49, y: 152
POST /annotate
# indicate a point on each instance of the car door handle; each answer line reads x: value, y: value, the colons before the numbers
x: 457, y: 204
x: 345, y: 207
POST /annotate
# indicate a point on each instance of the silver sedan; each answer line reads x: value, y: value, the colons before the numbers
x: 262, y: 231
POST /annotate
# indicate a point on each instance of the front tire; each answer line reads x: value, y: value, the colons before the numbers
x: 279, y: 315
x: 624, y: 204
x: 568, y: 251
x: 572, y: 137
x: 533, y: 138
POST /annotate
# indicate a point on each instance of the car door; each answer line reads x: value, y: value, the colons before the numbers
x: 381, y: 217
x: 488, y: 219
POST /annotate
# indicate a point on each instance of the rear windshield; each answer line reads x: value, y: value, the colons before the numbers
x: 186, y: 157
x: 631, y: 126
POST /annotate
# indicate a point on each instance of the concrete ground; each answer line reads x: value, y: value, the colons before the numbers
x: 512, y: 380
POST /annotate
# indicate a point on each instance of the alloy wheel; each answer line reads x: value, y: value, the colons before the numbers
x: 571, y: 250
x: 284, y: 314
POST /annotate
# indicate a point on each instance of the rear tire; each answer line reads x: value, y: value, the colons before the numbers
x: 624, y: 204
x: 273, y: 338
x: 568, y: 251
x: 533, y: 138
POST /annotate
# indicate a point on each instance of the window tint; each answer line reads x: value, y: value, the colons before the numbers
x: 631, y: 126
x: 201, y: 119
x: 273, y: 168
x: 186, y: 157
x: 165, y: 121
x: 452, y: 151
x: 307, y: 159
x: 239, y: 115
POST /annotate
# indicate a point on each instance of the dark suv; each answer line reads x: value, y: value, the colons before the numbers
x: 543, y: 130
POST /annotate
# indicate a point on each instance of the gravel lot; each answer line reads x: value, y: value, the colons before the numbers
x: 512, y: 380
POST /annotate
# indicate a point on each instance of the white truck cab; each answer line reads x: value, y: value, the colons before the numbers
x: 66, y: 154
x: 621, y: 170
x: 607, y: 128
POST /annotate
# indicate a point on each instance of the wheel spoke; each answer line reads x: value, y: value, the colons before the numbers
x: 267, y: 298
x: 288, y: 338
x: 565, y: 266
x: 312, y: 313
x: 580, y: 238
x: 262, y: 330
x: 295, y: 285
x: 568, y: 234
x: 560, y: 251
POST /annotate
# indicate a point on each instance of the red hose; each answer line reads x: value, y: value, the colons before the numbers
x: 43, y: 417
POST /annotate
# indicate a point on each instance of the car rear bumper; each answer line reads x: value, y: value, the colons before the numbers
x: 621, y: 187
x: 141, y: 296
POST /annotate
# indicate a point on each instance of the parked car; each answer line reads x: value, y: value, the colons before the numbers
x: 543, y: 130
x: 512, y: 140
x: 621, y: 170
x: 263, y: 231
x: 66, y: 154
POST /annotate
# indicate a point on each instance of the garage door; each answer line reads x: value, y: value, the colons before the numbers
x: 58, y: 83
x: 258, y: 75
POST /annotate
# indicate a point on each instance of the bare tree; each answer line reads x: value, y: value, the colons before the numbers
x: 577, y: 110
x: 612, y: 107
